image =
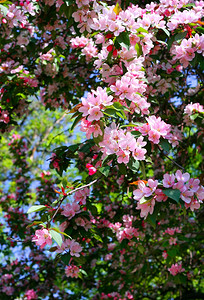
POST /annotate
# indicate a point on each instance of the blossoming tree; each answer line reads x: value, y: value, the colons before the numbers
x: 118, y: 212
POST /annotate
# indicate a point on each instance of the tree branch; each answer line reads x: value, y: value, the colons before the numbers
x: 71, y: 192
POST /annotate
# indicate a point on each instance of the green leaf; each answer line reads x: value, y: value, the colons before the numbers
x: 133, y: 164
x: 149, y: 160
x: 189, y: 5
x: 105, y: 170
x: 117, y: 9
x: 36, y: 208
x: 136, y: 133
x: 121, y: 114
x: 199, y: 29
x: 151, y: 219
x: 122, y: 168
x: 99, y: 207
x: 140, y: 29
x: 138, y: 48
x: 180, y: 36
x: 123, y: 39
x: 56, y: 236
x: 74, y: 148
x: 145, y: 200
x: 108, y: 158
x: 194, y: 116
x: 166, y: 31
x: 53, y: 249
x: 142, y: 168
x: 86, y: 148
x: 165, y: 145
x: 66, y: 258
x: 110, y: 112
x: 83, y: 272
x: 172, y: 252
x: 64, y: 182
x: 69, y: 2
x: 141, y: 249
x: 173, y: 194
x: 76, y: 121
x: 118, y: 106
x: 4, y: 9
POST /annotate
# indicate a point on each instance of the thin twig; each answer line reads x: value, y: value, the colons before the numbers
x: 71, y: 192
x: 173, y: 161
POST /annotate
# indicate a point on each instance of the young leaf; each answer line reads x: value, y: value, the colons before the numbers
x: 76, y: 121
x: 117, y: 9
x: 123, y: 39
x: 36, y: 208
x: 165, y: 145
x: 142, y: 168
x: 173, y: 194
x: 138, y: 48
x: 133, y: 164
x: 105, y: 170
x: 56, y: 236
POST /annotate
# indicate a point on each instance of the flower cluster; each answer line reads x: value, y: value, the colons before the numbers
x: 123, y: 144
x: 185, y: 52
x: 175, y: 269
x: 94, y: 103
x: 71, y: 245
x: 191, y: 192
x: 155, y: 128
x: 72, y: 271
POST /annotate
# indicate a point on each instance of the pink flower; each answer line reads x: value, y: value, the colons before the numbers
x: 92, y: 169
x: 75, y: 248
x: 154, y: 136
x: 172, y: 241
x: 194, y: 204
x: 70, y: 209
x: 182, y: 177
x: 200, y: 193
x: 146, y: 208
x: 42, y: 237
x: 160, y: 196
x: 186, y: 195
x: 81, y: 195
x: 175, y: 269
x: 30, y: 295
x: 72, y: 271
x: 193, y: 185
x: 164, y: 254
x: 168, y: 180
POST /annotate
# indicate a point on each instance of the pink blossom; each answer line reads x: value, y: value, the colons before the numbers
x: 200, y: 193
x: 91, y: 168
x: 146, y: 208
x: 8, y: 290
x: 70, y: 209
x: 182, y: 177
x: 194, y: 204
x: 160, y: 196
x: 175, y: 269
x: 81, y: 195
x: 72, y: 271
x: 75, y: 248
x: 42, y: 237
x: 165, y: 254
x: 30, y: 295
x: 186, y: 195
x: 122, y: 157
x: 172, y: 241
x: 193, y: 185
x: 168, y: 180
